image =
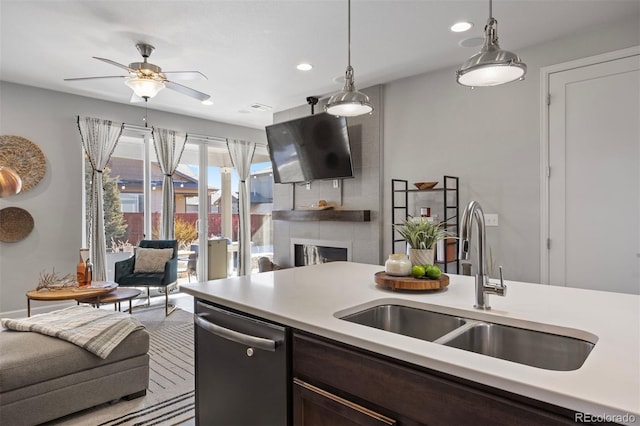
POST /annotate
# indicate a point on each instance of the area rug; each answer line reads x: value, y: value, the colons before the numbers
x: 170, y: 396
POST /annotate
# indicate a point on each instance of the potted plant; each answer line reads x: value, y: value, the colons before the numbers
x: 422, y: 236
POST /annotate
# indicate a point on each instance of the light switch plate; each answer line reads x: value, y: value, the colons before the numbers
x: 491, y: 219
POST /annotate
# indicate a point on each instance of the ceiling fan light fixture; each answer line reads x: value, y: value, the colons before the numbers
x: 144, y: 87
x: 349, y: 102
x: 491, y: 66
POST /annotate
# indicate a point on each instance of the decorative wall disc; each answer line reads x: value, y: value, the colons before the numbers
x: 15, y: 224
x: 25, y: 158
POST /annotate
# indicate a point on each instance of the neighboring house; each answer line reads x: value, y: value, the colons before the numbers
x: 216, y: 199
x: 129, y: 173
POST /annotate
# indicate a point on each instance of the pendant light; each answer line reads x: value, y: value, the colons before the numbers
x: 491, y: 66
x: 349, y: 102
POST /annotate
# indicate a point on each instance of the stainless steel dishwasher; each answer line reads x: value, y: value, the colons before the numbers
x: 242, y: 369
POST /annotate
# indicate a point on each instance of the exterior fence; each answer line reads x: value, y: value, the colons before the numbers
x: 135, y: 225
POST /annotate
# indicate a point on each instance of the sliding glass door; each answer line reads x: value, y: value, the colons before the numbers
x: 206, y: 204
x: 216, y: 205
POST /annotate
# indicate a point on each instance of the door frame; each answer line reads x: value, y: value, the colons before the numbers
x: 545, y: 75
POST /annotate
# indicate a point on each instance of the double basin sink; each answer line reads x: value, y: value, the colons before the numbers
x: 530, y: 347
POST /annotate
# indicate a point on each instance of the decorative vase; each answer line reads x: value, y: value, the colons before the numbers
x: 10, y: 182
x: 81, y: 269
x: 421, y: 256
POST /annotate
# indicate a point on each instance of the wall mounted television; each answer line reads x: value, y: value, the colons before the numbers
x: 310, y: 148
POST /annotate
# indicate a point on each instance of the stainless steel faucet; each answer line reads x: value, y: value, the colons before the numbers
x: 483, y: 286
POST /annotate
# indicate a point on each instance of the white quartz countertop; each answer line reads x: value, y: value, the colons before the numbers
x: 312, y: 298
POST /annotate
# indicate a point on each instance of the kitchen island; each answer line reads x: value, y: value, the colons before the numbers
x: 311, y: 300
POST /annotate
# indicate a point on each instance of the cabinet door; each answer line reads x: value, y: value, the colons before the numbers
x: 414, y: 396
x: 317, y: 407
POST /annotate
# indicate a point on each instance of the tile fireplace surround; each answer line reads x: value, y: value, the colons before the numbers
x: 357, y: 215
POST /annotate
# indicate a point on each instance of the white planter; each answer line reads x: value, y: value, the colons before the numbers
x: 421, y: 256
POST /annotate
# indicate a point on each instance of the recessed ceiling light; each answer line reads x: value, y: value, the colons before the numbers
x: 460, y: 27
x: 207, y: 102
x: 304, y: 66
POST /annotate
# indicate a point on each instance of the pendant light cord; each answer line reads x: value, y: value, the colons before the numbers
x: 145, y: 112
x: 349, y: 32
x: 349, y: 102
x: 490, y: 9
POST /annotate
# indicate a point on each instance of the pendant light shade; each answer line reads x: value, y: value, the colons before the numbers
x: 144, y: 87
x: 491, y: 66
x: 349, y: 102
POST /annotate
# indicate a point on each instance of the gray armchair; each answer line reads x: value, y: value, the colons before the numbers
x: 126, y: 276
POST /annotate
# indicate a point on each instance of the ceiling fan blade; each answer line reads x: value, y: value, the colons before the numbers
x: 109, y: 61
x: 185, y: 75
x: 93, y: 78
x: 187, y: 91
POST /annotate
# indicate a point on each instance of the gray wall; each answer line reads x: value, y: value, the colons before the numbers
x: 489, y: 137
x: 48, y: 119
x: 362, y: 192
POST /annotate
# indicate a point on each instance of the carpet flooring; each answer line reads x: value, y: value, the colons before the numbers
x: 170, y: 396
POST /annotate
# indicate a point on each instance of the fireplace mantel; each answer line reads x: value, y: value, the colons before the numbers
x: 323, y: 215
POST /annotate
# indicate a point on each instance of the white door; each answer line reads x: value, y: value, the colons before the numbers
x: 594, y: 176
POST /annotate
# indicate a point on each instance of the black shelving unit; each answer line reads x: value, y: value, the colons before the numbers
x: 451, y: 212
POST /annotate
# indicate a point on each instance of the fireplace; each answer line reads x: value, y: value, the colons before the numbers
x: 310, y: 252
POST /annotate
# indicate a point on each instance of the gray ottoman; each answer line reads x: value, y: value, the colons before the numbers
x: 43, y: 378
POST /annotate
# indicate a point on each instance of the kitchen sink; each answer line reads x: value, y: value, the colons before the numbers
x: 521, y: 345
x: 534, y: 348
x: 418, y: 323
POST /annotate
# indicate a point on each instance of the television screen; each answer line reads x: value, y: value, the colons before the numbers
x: 310, y: 148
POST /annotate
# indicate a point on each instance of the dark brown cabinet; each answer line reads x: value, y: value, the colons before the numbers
x: 313, y: 406
x: 336, y: 384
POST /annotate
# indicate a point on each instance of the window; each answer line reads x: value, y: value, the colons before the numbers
x: 133, y: 196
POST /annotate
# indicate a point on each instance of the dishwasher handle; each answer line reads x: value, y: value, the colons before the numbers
x: 235, y: 336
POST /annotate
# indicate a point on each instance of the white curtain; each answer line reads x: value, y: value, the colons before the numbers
x: 99, y: 139
x: 169, y: 146
x: 241, y: 153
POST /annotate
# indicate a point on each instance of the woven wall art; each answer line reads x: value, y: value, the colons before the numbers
x: 25, y: 158
x: 15, y: 224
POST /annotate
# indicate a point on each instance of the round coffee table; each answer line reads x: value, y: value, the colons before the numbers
x: 69, y: 293
x: 116, y: 296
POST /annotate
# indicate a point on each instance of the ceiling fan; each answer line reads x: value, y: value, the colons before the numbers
x: 147, y: 79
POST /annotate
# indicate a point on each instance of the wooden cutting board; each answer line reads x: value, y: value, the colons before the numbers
x: 410, y: 283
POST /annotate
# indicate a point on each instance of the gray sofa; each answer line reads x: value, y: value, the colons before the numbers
x: 43, y: 378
